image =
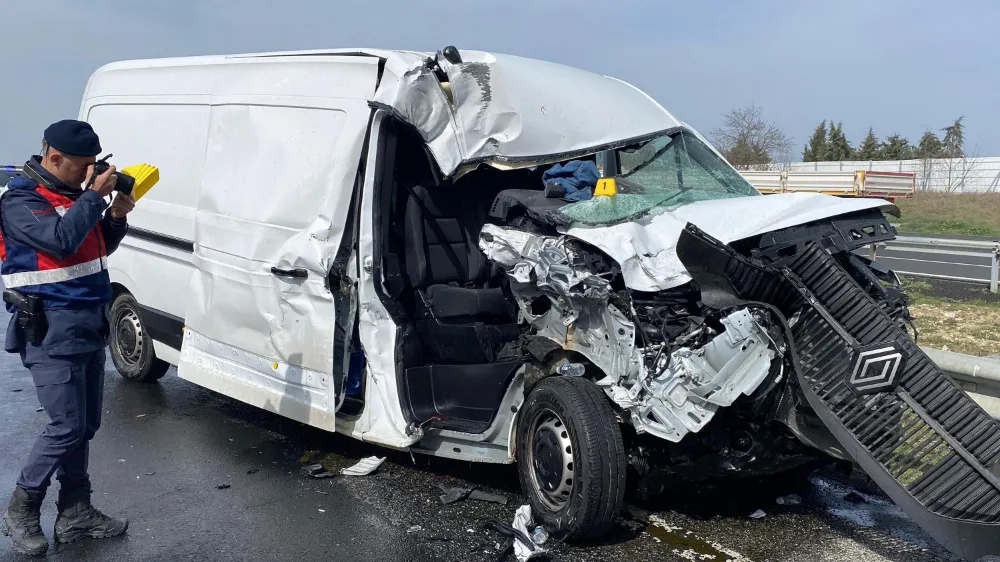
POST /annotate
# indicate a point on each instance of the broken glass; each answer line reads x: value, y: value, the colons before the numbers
x: 666, y: 172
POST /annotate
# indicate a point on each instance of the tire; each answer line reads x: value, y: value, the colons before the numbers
x: 563, y: 412
x: 131, y: 347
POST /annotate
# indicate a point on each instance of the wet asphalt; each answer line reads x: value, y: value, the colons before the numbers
x: 165, y: 450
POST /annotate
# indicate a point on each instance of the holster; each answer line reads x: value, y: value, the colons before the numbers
x: 30, y: 315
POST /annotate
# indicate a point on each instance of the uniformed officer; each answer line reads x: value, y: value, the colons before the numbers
x: 57, y: 230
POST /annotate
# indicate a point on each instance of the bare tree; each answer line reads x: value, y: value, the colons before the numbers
x: 750, y: 142
x: 955, y: 171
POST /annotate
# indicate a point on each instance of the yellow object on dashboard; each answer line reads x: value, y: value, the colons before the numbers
x: 146, y: 176
x: 606, y: 186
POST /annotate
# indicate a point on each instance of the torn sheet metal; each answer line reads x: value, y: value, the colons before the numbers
x: 544, y: 261
x: 697, y: 382
x: 507, y: 109
x: 646, y: 248
x: 580, y: 318
x: 677, y: 397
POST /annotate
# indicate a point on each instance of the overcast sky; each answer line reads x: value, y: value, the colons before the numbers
x: 897, y: 65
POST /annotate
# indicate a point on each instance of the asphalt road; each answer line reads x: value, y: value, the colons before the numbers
x: 164, y: 449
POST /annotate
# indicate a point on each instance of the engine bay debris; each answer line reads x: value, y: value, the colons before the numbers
x: 684, y: 372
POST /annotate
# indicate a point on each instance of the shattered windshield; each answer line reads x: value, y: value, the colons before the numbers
x: 674, y: 169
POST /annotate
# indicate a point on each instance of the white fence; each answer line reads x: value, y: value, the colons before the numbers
x: 969, y: 175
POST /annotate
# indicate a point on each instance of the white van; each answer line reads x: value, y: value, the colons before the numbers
x: 497, y: 259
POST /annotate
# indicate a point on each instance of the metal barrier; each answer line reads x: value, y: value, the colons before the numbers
x: 979, y: 377
x: 948, y: 246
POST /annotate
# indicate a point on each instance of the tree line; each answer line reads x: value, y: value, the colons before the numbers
x: 747, y: 140
x: 829, y: 144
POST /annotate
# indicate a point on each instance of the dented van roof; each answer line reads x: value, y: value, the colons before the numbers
x: 499, y: 109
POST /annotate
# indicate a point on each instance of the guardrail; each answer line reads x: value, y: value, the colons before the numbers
x: 979, y: 377
x: 951, y: 247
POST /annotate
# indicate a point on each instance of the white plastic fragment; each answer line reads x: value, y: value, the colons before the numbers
x: 758, y: 514
x: 522, y: 522
x: 364, y: 467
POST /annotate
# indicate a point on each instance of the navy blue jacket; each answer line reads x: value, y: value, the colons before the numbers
x: 28, y: 218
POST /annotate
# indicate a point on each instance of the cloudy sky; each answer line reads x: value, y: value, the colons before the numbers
x: 896, y: 65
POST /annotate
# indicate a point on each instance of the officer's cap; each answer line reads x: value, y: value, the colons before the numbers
x: 76, y: 138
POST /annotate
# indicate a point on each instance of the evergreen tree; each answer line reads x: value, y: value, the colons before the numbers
x: 815, y: 150
x: 896, y: 147
x: 869, y: 148
x: 745, y: 153
x: 954, y: 140
x: 837, y: 146
x: 930, y: 146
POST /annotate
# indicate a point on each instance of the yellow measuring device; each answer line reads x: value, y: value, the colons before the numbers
x: 145, y: 175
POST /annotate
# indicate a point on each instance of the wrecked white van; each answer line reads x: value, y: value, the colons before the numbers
x: 370, y: 242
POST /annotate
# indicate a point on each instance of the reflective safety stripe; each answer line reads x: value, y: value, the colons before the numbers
x: 14, y: 280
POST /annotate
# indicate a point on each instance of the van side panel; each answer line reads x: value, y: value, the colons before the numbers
x: 166, y: 134
x: 269, y: 192
x: 169, y: 132
x: 284, y: 144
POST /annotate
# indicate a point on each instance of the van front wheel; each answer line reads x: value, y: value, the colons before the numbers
x: 131, y: 347
x: 571, y: 460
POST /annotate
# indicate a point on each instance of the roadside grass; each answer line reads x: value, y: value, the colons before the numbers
x: 971, y: 214
x: 969, y: 326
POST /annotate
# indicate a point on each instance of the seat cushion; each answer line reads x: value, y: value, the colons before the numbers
x: 446, y: 301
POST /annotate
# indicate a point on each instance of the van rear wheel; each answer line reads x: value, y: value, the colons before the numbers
x: 131, y: 347
x: 571, y: 459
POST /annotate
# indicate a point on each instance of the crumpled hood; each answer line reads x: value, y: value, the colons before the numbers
x: 646, y: 249
x: 508, y: 111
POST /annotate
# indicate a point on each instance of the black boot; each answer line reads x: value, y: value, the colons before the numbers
x: 78, y: 519
x: 21, y: 522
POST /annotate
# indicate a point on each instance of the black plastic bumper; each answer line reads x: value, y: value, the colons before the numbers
x: 929, y: 446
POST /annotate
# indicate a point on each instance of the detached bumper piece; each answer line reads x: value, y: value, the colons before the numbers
x: 929, y: 446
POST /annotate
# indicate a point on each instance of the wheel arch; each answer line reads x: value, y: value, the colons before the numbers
x: 121, y: 281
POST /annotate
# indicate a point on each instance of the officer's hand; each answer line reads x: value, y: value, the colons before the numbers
x: 122, y: 205
x: 104, y: 184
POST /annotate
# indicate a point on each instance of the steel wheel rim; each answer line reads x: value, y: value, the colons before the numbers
x: 128, y: 336
x: 550, y: 459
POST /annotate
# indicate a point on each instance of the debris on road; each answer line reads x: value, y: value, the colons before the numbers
x: 364, y: 467
x: 524, y: 547
x: 487, y: 497
x: 40, y: 409
x: 453, y: 495
x: 17, y: 390
x: 317, y: 471
x: 855, y: 497
x: 414, y: 529
x: 223, y: 486
x: 791, y: 499
x: 539, y: 536
x: 150, y: 474
x: 758, y: 514
x: 253, y: 471
x: 141, y: 416
x: 322, y: 510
